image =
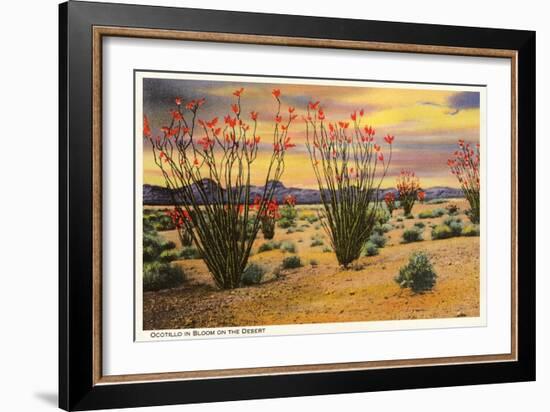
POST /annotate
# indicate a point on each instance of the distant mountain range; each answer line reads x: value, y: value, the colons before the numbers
x: 160, y: 196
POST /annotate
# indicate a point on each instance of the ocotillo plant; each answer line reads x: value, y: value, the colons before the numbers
x: 408, y: 186
x: 209, y: 167
x: 179, y: 217
x: 349, y: 167
x: 465, y: 166
x: 421, y: 196
x: 268, y: 217
x: 389, y: 199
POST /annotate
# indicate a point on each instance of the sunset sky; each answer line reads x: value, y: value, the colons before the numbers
x: 426, y: 123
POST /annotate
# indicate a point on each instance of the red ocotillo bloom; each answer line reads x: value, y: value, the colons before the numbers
x: 408, y: 186
x: 389, y: 199
x: 209, y: 167
x: 349, y: 167
x: 465, y: 166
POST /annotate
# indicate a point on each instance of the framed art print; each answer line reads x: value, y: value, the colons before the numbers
x: 261, y: 205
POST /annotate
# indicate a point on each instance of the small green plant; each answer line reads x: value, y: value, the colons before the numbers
x: 267, y: 246
x: 409, y: 217
x: 470, y: 230
x: 326, y: 249
x: 455, y: 224
x: 285, y: 223
x: 253, y: 274
x: 317, y: 242
x: 381, y: 229
x: 312, y: 219
x: 314, y: 262
x: 413, y: 234
x: 168, y: 256
x: 157, y: 276
x: 370, y: 249
x: 442, y: 232
x: 418, y: 275
x: 317, y: 227
x: 378, y: 239
x: 291, y: 262
x: 190, y: 252
x: 288, y: 246
x: 452, y: 209
x: 420, y: 225
x: 399, y: 219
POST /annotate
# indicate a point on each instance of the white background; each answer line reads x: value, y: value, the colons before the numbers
x: 28, y: 268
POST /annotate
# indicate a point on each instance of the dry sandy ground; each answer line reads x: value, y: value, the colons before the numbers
x: 326, y: 292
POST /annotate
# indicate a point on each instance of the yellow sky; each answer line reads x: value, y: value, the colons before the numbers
x: 425, y: 123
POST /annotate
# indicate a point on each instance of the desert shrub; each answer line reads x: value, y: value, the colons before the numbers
x: 425, y: 214
x: 418, y: 274
x: 431, y: 213
x: 305, y: 225
x: 267, y: 246
x: 253, y: 274
x: 455, y: 224
x: 399, y: 219
x: 317, y: 242
x: 190, y: 252
x: 313, y: 262
x: 291, y: 262
x: 285, y: 223
x: 288, y: 246
x: 326, y: 249
x: 370, y: 249
x: 312, y: 219
x: 153, y: 246
x: 442, y: 232
x: 299, y: 229
x: 437, y: 201
x: 419, y: 225
x: 470, y: 230
x: 289, y: 212
x: 167, y: 256
x: 452, y: 209
x: 409, y: 216
x: 413, y: 234
x: 381, y: 215
x: 157, y: 275
x: 317, y: 227
x: 380, y: 229
x: 378, y: 239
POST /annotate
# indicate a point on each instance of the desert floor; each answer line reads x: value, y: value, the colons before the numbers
x: 326, y: 292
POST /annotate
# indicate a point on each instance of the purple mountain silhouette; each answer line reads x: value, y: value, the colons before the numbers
x: 157, y: 195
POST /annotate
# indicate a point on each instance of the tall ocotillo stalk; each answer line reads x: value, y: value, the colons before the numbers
x: 465, y: 166
x: 408, y: 187
x: 210, y: 177
x: 349, y: 167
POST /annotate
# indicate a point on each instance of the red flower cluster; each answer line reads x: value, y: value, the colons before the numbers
x: 389, y: 199
x: 179, y: 217
x: 421, y: 195
x: 290, y: 200
x: 408, y: 186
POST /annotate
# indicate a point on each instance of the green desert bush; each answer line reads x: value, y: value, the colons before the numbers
x: 431, y: 213
x: 168, y: 256
x: 452, y: 209
x: 153, y: 246
x: 253, y: 274
x: 420, y: 225
x: 285, y: 223
x: 399, y: 219
x: 418, y: 275
x: 381, y: 215
x: 409, y: 217
x: 312, y: 219
x: 157, y: 276
x: 317, y: 242
x: 190, y: 252
x: 326, y: 249
x: 291, y: 262
x: 470, y: 230
x: 370, y: 249
x: 378, y: 239
x: 455, y: 224
x: 442, y: 232
x: 288, y: 246
x: 381, y: 229
x: 267, y: 246
x: 413, y: 234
